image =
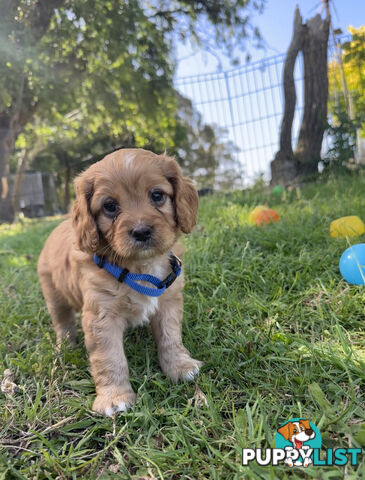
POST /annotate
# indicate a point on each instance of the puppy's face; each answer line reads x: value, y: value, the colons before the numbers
x: 133, y: 203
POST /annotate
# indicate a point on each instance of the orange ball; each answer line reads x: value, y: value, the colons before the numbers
x: 253, y: 214
x: 266, y: 216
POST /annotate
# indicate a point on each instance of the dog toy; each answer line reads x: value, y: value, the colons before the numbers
x: 266, y: 216
x: 347, y: 227
x: 278, y: 190
x: 253, y: 214
x: 352, y: 264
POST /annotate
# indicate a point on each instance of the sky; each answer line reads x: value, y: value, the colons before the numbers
x: 252, y: 118
x: 275, y: 25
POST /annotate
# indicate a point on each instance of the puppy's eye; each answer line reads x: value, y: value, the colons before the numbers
x: 110, y: 208
x: 157, y: 197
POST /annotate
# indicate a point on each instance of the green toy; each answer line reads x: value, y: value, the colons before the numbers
x: 278, y: 190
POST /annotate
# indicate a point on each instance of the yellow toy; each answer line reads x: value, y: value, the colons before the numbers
x: 343, y: 227
x: 253, y: 214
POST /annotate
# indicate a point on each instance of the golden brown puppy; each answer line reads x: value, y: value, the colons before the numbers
x: 130, y: 209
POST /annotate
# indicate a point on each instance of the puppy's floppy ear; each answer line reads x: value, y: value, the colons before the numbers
x: 87, y: 235
x: 285, y: 431
x: 185, y: 196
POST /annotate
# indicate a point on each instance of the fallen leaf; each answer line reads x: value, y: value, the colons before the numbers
x: 114, y: 468
x: 10, y: 291
x: 7, y: 384
x: 199, y: 398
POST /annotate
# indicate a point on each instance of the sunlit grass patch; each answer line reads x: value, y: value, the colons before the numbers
x: 280, y: 332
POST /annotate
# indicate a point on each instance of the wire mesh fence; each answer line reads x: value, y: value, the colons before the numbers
x: 247, y: 102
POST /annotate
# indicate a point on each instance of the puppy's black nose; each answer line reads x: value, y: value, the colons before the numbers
x: 309, y: 431
x: 141, y: 233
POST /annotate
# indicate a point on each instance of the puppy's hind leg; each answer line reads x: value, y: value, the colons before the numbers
x: 62, y: 314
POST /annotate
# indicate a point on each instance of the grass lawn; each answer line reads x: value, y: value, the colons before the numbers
x: 281, y: 335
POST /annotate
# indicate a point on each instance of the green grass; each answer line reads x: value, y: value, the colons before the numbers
x: 281, y: 335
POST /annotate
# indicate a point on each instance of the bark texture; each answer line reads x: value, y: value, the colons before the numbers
x: 283, y: 167
x: 312, y: 40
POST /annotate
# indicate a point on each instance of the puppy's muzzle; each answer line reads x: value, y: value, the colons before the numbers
x: 142, y: 233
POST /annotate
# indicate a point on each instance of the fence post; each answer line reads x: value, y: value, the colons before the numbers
x: 229, y: 100
x: 229, y: 97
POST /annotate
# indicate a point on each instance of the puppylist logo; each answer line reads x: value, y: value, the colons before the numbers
x: 298, y: 443
x: 298, y: 438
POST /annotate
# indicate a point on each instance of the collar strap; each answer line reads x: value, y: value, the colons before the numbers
x: 123, y: 275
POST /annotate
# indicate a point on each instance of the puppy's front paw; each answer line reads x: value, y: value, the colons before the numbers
x: 109, y: 402
x: 181, y: 367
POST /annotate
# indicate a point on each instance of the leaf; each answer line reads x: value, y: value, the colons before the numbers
x: 319, y: 397
x: 83, y: 385
x: 359, y: 436
x: 199, y: 399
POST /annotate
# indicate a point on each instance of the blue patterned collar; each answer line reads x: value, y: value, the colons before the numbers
x: 130, y: 279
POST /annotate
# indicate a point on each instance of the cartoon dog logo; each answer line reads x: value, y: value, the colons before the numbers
x: 297, y: 433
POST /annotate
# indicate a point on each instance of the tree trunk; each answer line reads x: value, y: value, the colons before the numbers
x: 67, y: 194
x: 314, y: 122
x: 22, y: 163
x: 312, y: 39
x: 6, y: 147
x: 283, y: 167
x: 25, y: 159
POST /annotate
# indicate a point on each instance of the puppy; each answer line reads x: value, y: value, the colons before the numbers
x: 129, y: 212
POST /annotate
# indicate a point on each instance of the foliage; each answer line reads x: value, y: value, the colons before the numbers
x: 342, y: 135
x: 352, y: 72
x: 267, y: 311
x: 346, y: 102
x: 354, y: 68
x: 203, y: 151
x: 200, y: 149
x: 92, y: 69
x: 103, y: 66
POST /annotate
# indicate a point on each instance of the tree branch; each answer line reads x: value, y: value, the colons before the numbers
x: 41, y: 16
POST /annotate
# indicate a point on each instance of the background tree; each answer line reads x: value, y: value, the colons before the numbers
x: 203, y: 151
x: 111, y: 61
x: 22, y: 26
x: 311, y: 39
x: 69, y: 146
x: 347, y: 101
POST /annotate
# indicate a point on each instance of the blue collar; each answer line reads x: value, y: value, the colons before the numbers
x: 123, y: 275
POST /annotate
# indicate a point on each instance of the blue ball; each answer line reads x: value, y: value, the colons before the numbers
x: 352, y: 264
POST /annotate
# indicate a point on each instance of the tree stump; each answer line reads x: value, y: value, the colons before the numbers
x: 283, y: 167
x: 312, y: 40
x: 314, y: 122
